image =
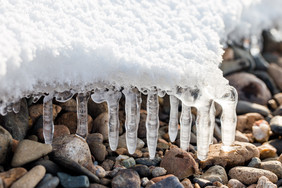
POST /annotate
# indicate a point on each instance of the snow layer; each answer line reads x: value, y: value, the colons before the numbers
x: 58, y: 45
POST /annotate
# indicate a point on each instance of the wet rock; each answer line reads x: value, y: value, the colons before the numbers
x: 183, y: 164
x: 122, y: 142
x: 273, y: 166
x: 95, y: 137
x: 267, y: 151
x: 142, y: 124
x: 276, y: 125
x: 98, y: 150
x: 168, y: 182
x: 246, y: 122
x: 28, y: 151
x: 160, y: 178
x: 108, y: 164
x: 275, y: 72
x: 202, y: 182
x: 249, y: 175
x: 50, y: 166
x: 9, y: 177
x: 255, y: 162
x: 240, y: 153
x: 233, y: 183
x: 261, y: 131
x: 241, y: 137
x: 69, y: 119
x: 187, y: 183
x: 31, y: 178
x: 148, y: 162
x: 244, y: 107
x: 127, y: 163
x: 69, y: 106
x: 216, y: 173
x: 142, y: 170
x: 35, y: 111
x: 250, y: 88
x: 277, y: 144
x: 126, y: 178
x: 6, y: 141
x: 96, y: 185
x: 264, y: 182
x: 158, y: 171
x: 69, y: 181
x: 17, y: 123
x: 59, y: 130
x: 48, y: 181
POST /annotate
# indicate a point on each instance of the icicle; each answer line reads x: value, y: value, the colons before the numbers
x: 228, y: 118
x: 173, y: 118
x: 112, y: 97
x: 48, y: 126
x: 152, y: 121
x: 17, y: 106
x: 9, y: 107
x: 185, y: 127
x: 132, y: 110
x: 3, y: 110
x: 36, y: 97
x: 82, y: 114
x: 212, y: 122
x: 64, y: 96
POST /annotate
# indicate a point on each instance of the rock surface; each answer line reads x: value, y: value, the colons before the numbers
x: 9, y: 177
x: 171, y: 181
x: 127, y: 179
x: 216, y: 173
x: 5, y: 144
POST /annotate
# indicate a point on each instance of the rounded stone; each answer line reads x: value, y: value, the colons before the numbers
x: 5, y: 144
x: 59, y: 130
x: 95, y: 137
x: 9, y: 177
x: 255, y: 162
x: 233, y: 183
x: 142, y: 170
x: 158, y: 171
x: 276, y: 125
x: 216, y: 173
x: 171, y: 181
x: 127, y: 178
x: 273, y: 166
x: 98, y: 150
x: 100, y: 125
x: 275, y: 72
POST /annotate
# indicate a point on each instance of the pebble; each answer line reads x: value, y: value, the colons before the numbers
x: 267, y: 151
x: 233, y: 183
x: 48, y: 182
x: 108, y: 164
x: 264, y: 182
x: 100, y: 125
x: 171, y: 181
x: 187, y: 183
x: 255, y: 162
x: 96, y: 185
x: 278, y: 98
x: 99, y: 171
x: 59, y: 130
x: 158, y: 171
x: 183, y: 165
x: 31, y: 178
x: 249, y: 87
x: 276, y: 125
x: 273, y: 166
x: 6, y: 141
x: 122, y: 142
x: 142, y: 124
x: 35, y: 111
x: 127, y: 163
x: 95, y: 137
x: 28, y: 150
x: 69, y: 119
x: 202, y: 182
x: 127, y: 178
x: 95, y: 109
x: 216, y: 173
x: 275, y: 72
x: 244, y: 107
x: 278, y: 111
x: 17, y: 123
x: 241, y: 137
x: 144, y: 181
x: 277, y: 144
x: 142, y: 170
x: 69, y: 181
x: 261, y: 131
x: 69, y: 106
x: 98, y: 150
x: 245, y: 122
x: 249, y: 175
x: 50, y: 166
x: 241, y: 153
x: 149, y: 162
x: 9, y: 177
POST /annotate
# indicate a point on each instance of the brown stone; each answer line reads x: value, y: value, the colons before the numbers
x: 142, y: 124
x: 187, y: 183
x: 6, y: 141
x: 37, y: 110
x: 228, y: 54
x: 264, y: 182
x: 69, y: 119
x: 100, y: 125
x: 278, y: 98
x: 246, y: 121
x: 241, y: 137
x: 59, y: 130
x: 273, y: 166
x: 95, y: 137
x: 275, y: 72
x: 183, y: 165
x: 9, y: 177
x: 240, y: 153
x: 160, y: 178
x: 267, y: 151
x: 98, y: 150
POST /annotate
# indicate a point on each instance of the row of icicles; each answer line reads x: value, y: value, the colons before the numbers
x: 189, y: 97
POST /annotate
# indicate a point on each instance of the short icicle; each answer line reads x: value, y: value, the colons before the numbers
x: 48, y: 125
x: 185, y: 127
x: 82, y: 114
x: 17, y: 106
x: 152, y: 121
x: 132, y: 110
x: 173, y: 118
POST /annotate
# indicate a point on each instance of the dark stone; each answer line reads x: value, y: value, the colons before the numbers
x: 202, y: 182
x: 277, y: 143
x: 169, y: 182
x: 50, y: 166
x: 127, y: 178
x: 278, y: 111
x: 142, y: 170
x: 244, y: 107
x: 148, y: 162
x: 276, y: 125
x: 142, y: 124
x: 48, y: 182
x: 96, y: 185
x: 17, y: 124
x: 264, y: 76
x: 69, y: 181
x: 255, y: 162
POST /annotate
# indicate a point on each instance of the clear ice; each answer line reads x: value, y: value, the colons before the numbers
x: 185, y: 127
x: 48, y: 125
x: 173, y: 118
x: 82, y: 114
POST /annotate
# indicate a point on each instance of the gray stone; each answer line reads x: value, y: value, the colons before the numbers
x: 142, y: 170
x: 148, y: 162
x: 50, y: 166
x: 158, y: 171
x: 255, y: 162
x: 277, y: 143
x: 122, y: 142
x: 244, y: 107
x: 127, y: 163
x: 216, y: 173
x: 171, y: 181
x: 264, y: 182
x: 233, y: 183
x: 5, y: 144
x: 127, y: 178
x: 69, y: 181
x: 48, y: 182
x: 273, y: 166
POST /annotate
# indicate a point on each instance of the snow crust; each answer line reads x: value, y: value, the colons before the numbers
x: 61, y: 45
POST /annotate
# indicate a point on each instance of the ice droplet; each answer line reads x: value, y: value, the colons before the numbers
x: 17, y: 106
x: 185, y: 127
x: 48, y: 125
x: 82, y: 114
x: 173, y: 118
x: 132, y: 111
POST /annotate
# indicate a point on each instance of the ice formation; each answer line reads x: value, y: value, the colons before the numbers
x: 102, y: 49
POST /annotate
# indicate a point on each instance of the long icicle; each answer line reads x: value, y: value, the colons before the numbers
x: 173, y: 118
x: 48, y: 125
x: 132, y: 110
x: 212, y: 122
x: 82, y: 114
x: 152, y: 121
x: 185, y: 127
